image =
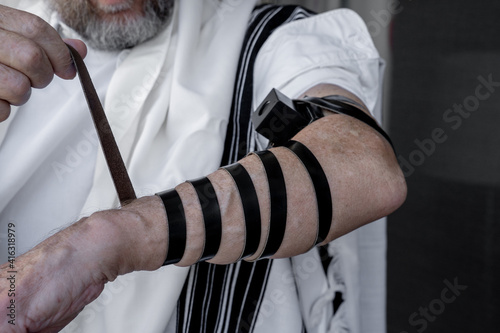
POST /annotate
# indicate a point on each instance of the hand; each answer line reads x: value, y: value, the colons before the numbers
x: 51, y: 284
x: 31, y: 53
x: 55, y: 280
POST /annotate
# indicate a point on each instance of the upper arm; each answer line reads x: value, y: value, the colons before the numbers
x: 365, y: 179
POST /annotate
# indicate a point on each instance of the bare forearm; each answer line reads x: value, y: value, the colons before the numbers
x: 364, y: 187
x: 363, y: 175
x: 73, y: 265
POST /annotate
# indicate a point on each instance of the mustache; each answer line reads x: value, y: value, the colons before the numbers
x: 115, y: 8
x: 100, y: 29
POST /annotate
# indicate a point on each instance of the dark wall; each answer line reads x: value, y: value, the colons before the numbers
x: 444, y: 243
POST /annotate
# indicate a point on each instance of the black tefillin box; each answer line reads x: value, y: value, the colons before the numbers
x: 278, y: 118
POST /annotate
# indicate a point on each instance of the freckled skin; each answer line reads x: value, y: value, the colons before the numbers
x: 56, y: 279
x: 362, y: 172
x: 364, y: 177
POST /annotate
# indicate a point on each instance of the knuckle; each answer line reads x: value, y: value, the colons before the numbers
x: 34, y: 26
x: 35, y: 65
x: 31, y: 57
x: 20, y: 90
x: 15, y: 88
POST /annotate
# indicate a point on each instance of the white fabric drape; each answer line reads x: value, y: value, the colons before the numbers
x: 167, y: 103
x: 184, y: 71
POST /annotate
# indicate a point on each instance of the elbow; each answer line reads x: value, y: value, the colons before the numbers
x: 395, y: 189
x: 390, y: 182
x: 364, y: 175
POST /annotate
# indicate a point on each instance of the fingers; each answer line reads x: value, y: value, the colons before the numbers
x: 16, y: 92
x: 4, y: 110
x: 44, y: 38
x: 31, y: 53
x: 77, y: 45
x: 26, y: 58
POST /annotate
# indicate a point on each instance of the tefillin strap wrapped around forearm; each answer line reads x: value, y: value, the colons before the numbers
x: 211, y: 216
x: 177, y: 232
x: 278, y: 118
x: 251, y: 209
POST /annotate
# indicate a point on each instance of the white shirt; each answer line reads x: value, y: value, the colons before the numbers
x: 52, y: 174
x: 50, y: 163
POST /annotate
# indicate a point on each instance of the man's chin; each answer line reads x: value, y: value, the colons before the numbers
x: 118, y: 26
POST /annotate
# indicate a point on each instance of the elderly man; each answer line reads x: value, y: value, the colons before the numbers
x: 179, y: 80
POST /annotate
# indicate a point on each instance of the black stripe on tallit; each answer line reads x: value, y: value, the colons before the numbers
x: 227, y: 298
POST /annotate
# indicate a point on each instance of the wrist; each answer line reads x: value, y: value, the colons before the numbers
x: 129, y: 239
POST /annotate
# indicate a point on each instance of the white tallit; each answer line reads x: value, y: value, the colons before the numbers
x: 180, y: 70
x: 168, y: 105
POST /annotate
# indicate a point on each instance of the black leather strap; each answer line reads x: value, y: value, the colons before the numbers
x: 116, y: 167
x: 176, y: 226
x: 339, y: 98
x: 339, y: 104
x: 321, y: 187
x: 278, y: 199
x: 211, y: 215
x: 250, y: 204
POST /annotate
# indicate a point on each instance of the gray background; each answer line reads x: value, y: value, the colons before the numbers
x: 449, y: 227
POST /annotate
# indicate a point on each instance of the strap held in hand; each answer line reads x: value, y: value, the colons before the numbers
x: 114, y: 160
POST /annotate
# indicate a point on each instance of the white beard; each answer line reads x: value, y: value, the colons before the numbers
x: 116, y: 32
